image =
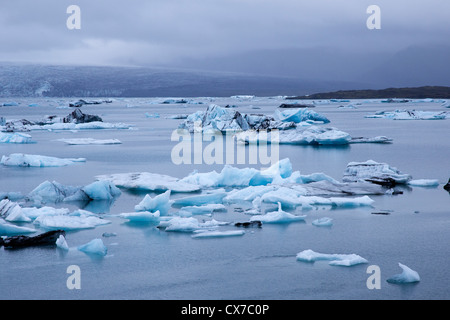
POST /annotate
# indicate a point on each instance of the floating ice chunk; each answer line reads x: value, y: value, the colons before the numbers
x: 28, y: 160
x: 299, y: 115
x: 11, y: 211
x: 323, y: 222
x: 218, y: 234
x: 90, y: 141
x: 161, y: 203
x: 378, y: 139
x: 10, y: 104
x: 141, y: 216
x: 62, y: 243
x: 203, y: 199
x: 95, y: 246
x: 335, y: 259
x: 77, y: 220
x: 411, y: 115
x: 180, y: 224
x: 149, y: 181
x: 7, y: 228
x: 53, y: 192
x: 424, y: 183
x: 15, y: 137
x: 96, y: 125
x: 407, y: 276
x: 200, y: 210
x: 279, y: 216
x: 152, y: 115
x: 369, y: 170
x: 101, y: 190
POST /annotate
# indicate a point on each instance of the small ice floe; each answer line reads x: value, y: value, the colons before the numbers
x: 178, y: 116
x: 56, y: 192
x: 424, y: 183
x: 62, y: 243
x: 90, y: 141
x: 94, y: 246
x: 335, y: 259
x: 299, y: 115
x: 323, y: 222
x: 279, y: 216
x: 29, y: 160
x: 15, y: 137
x: 152, y: 115
x: 201, y: 210
x: 407, y: 276
x: 141, y: 216
x: 411, y: 115
x: 161, y: 203
x: 77, y: 220
x: 215, y: 197
x: 12, y: 212
x: 7, y: 228
x: 149, y: 181
x: 217, y: 234
x: 374, y: 172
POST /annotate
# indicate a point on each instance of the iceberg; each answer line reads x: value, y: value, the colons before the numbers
x: 407, y: 276
x: 7, y: 228
x: 90, y: 141
x: 218, y: 234
x: 28, y: 160
x: 56, y: 192
x: 15, y: 137
x: 374, y: 172
x: 11, y: 211
x: 323, y: 222
x: 279, y: 216
x: 180, y: 224
x: 411, y: 115
x: 62, y: 243
x: 141, y: 217
x: 299, y: 115
x: 77, y: 220
x: 346, y: 260
x: 202, y: 199
x: 201, y: 210
x: 95, y: 246
x: 149, y: 181
x: 424, y: 183
x: 161, y: 203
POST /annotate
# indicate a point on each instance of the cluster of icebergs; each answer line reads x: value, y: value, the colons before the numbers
x: 411, y: 115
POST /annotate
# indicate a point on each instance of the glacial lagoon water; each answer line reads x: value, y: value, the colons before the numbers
x: 144, y: 262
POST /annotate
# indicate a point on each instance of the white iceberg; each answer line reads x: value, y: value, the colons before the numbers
x: 411, y: 115
x: 201, y: 210
x: 279, y: 216
x: 9, y: 229
x: 371, y: 170
x: 346, y: 260
x: 33, y: 213
x: 77, y: 220
x: 95, y: 246
x: 323, y: 222
x: 218, y: 234
x: 181, y: 224
x: 62, y: 243
x: 12, y: 212
x: 424, y: 183
x: 15, y: 137
x: 90, y: 141
x: 202, y: 199
x: 101, y: 190
x: 161, y: 203
x: 149, y: 181
x: 141, y: 216
x: 407, y: 276
x: 28, y: 160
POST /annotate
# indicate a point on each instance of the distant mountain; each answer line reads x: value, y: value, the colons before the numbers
x: 89, y: 81
x: 399, y: 93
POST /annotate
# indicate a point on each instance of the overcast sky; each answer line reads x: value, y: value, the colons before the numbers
x: 165, y: 32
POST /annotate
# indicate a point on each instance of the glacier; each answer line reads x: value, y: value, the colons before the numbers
x: 346, y: 260
x: 29, y: 160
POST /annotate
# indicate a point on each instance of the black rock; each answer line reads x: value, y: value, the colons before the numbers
x: 45, y: 239
x: 296, y: 105
x: 447, y: 186
x: 250, y: 224
x: 79, y: 117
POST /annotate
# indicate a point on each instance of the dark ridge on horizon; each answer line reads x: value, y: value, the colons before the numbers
x: 437, y: 92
